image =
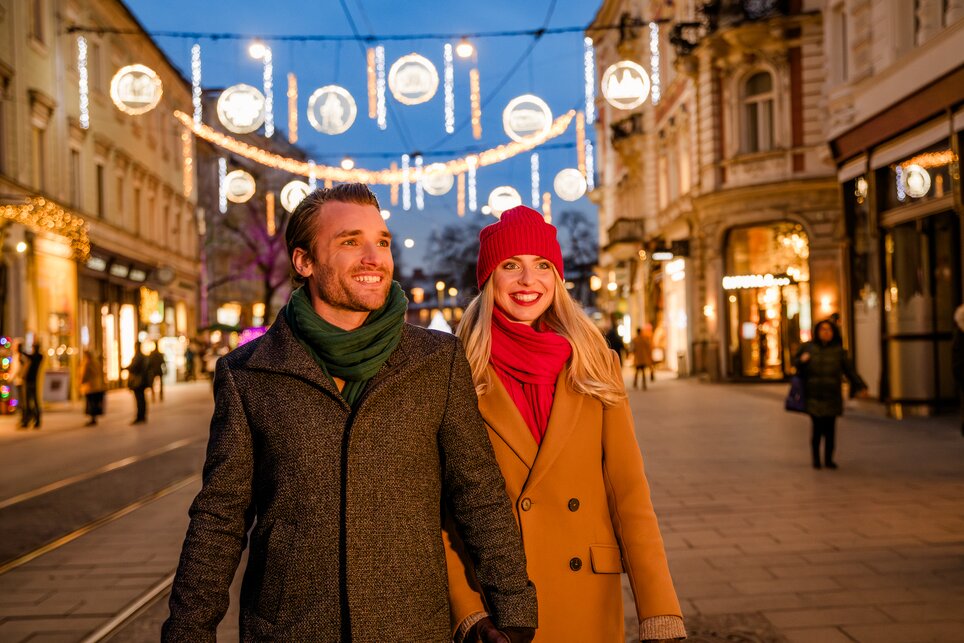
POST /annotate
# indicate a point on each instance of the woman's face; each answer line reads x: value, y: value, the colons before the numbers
x: 524, y: 286
x: 825, y: 333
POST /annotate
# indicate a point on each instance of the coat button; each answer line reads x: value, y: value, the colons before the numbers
x: 574, y: 504
x: 526, y: 504
x: 575, y: 564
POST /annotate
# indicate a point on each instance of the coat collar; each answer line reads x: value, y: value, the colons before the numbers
x: 279, y: 351
x: 501, y: 414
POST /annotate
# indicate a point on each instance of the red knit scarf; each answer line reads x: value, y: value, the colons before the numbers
x: 528, y: 363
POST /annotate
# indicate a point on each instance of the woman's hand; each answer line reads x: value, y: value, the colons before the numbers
x: 804, y: 358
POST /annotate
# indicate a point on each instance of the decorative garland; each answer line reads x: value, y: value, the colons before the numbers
x: 360, y: 175
x: 43, y: 215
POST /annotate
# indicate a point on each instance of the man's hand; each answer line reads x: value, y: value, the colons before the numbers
x: 485, y: 631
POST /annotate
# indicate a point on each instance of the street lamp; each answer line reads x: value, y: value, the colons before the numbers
x: 260, y: 51
x: 440, y: 287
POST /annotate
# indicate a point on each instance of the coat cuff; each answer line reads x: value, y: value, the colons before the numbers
x: 467, y: 623
x: 657, y: 628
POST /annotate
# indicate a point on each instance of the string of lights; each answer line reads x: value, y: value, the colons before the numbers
x: 43, y: 215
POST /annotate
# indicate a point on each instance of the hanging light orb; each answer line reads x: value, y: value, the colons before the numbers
x: 257, y: 50
x: 464, y: 49
x: 347, y: 163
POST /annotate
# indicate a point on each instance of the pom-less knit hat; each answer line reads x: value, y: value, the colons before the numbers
x: 520, y: 231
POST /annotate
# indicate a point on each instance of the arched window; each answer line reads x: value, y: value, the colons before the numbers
x: 758, y: 112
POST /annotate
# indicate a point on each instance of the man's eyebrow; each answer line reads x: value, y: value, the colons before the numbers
x: 355, y: 233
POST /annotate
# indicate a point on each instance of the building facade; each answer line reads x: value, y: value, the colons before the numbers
x: 895, y: 91
x: 100, y: 238
x: 719, y: 208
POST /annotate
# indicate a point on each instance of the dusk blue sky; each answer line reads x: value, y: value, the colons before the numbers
x: 553, y: 71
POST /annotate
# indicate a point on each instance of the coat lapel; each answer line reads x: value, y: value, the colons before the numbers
x: 563, y: 419
x: 500, y: 413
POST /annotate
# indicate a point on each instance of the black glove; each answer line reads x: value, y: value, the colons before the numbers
x: 485, y: 631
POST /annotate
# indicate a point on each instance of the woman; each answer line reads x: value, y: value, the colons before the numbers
x: 823, y: 364
x: 93, y: 386
x: 555, y: 406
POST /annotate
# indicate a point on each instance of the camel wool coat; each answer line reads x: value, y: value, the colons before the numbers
x: 584, y: 509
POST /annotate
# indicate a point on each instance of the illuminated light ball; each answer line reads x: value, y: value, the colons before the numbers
x: 13, y: 404
x: 4, y: 341
x: 347, y: 163
x: 464, y: 49
x: 410, y: 243
x: 486, y: 209
x: 386, y: 214
x: 5, y: 362
x: 257, y: 50
x: 22, y: 247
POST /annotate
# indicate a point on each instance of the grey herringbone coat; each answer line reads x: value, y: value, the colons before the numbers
x: 347, y: 545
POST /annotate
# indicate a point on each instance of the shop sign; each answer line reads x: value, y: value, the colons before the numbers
x: 136, y: 89
x: 241, y: 108
x: 332, y: 110
x: 413, y: 79
x: 739, y: 282
x: 526, y: 115
x: 625, y: 85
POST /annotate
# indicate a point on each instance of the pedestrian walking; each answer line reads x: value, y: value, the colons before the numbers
x: 138, y: 379
x: 93, y: 385
x: 957, y: 357
x: 339, y: 434
x: 157, y: 369
x: 822, y: 364
x: 189, y: 356
x: 30, y: 364
x: 553, y: 399
x: 613, y: 339
x: 642, y: 356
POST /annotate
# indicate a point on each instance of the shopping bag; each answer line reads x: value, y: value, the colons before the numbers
x: 796, y: 401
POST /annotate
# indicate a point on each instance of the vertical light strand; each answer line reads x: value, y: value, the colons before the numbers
x: 534, y: 171
x: 292, y: 108
x: 406, y: 186
x: 590, y: 167
x: 380, y: 110
x: 547, y: 207
x: 394, y: 188
x: 449, y: 90
x: 222, y: 188
x: 312, y: 181
x: 472, y: 161
x: 196, y: 82
x: 372, y: 91
x: 419, y: 188
x: 589, y: 64
x: 654, y: 61
x: 269, y: 221
x: 581, y: 143
x: 460, y: 206
x: 268, y: 93
x: 187, y: 158
x: 83, y: 86
x: 475, y: 96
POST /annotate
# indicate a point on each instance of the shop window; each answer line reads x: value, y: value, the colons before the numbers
x: 767, y: 290
x: 923, y: 177
x: 758, y: 101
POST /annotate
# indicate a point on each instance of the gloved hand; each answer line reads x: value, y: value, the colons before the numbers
x: 485, y: 631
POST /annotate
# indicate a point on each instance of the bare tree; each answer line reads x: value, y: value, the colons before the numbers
x: 453, y: 252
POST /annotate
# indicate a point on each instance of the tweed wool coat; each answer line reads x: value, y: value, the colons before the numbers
x: 583, y: 505
x: 347, y: 543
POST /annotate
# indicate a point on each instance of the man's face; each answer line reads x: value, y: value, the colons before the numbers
x: 353, y: 265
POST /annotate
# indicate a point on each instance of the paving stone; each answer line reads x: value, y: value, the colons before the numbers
x: 826, y: 616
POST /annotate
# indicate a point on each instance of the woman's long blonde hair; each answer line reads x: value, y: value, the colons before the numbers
x: 590, y: 367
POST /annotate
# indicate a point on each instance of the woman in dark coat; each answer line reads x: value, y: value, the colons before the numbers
x: 823, y: 363
x: 957, y: 357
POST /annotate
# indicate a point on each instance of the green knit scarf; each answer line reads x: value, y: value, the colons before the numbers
x: 352, y: 355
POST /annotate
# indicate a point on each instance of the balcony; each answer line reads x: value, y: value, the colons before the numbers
x: 625, y: 234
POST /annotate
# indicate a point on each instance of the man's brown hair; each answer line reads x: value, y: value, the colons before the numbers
x: 302, y: 226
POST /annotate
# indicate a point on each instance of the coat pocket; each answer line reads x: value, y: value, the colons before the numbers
x: 277, y: 557
x: 606, y: 559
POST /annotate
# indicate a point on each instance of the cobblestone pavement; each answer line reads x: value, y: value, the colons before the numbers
x: 762, y: 547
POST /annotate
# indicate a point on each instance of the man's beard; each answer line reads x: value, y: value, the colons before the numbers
x: 339, y: 293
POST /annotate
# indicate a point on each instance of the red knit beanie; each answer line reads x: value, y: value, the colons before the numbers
x: 520, y: 231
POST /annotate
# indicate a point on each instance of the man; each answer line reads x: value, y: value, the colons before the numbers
x: 138, y: 380
x: 157, y: 368
x: 642, y: 356
x: 613, y: 340
x: 345, y: 432
x: 30, y: 363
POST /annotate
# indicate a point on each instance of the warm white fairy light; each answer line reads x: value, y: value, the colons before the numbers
x: 196, y: 81
x: 268, y: 93
x: 534, y: 169
x: 406, y: 186
x: 187, y: 159
x: 419, y: 188
x: 393, y: 189
x: 460, y: 207
x: 589, y: 65
x: 475, y: 98
x: 82, y: 84
x: 380, y: 109
x: 222, y: 188
x: 473, y: 196
x: 654, y: 61
x: 546, y: 207
x: 449, y: 73
x: 292, y: 108
x: 581, y: 143
x: 372, y: 92
x: 312, y: 179
x: 590, y: 167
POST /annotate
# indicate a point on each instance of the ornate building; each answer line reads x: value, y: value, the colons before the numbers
x: 895, y: 87
x: 719, y: 207
x: 99, y: 235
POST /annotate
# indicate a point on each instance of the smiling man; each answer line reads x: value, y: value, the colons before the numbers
x: 344, y: 432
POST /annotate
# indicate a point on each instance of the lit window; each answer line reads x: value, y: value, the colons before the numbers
x: 758, y: 113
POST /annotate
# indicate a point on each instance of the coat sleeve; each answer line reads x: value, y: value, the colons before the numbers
x: 857, y: 383
x: 634, y: 520
x: 479, y: 506
x: 221, y: 515
x: 465, y: 598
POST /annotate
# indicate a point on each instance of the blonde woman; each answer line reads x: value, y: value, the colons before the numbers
x: 555, y: 406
